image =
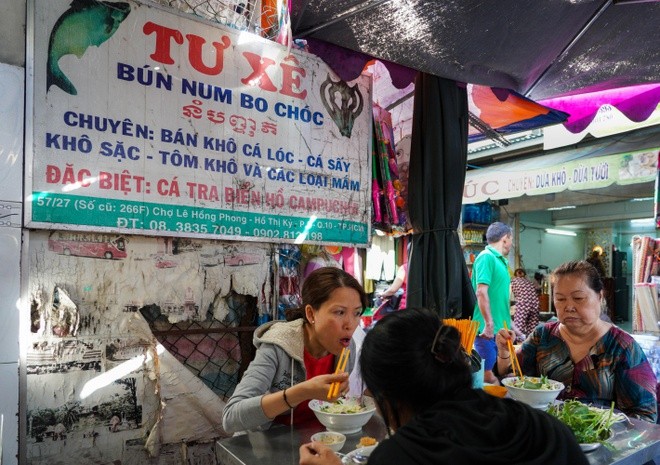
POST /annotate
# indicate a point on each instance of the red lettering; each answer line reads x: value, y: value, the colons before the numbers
x: 53, y: 174
x: 229, y: 195
x: 164, y: 35
x: 289, y: 81
x: 259, y: 74
x: 105, y: 180
x: 81, y: 177
x: 195, y: 54
x: 240, y: 196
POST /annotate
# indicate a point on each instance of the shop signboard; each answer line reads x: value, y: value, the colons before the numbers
x: 538, y: 177
x: 146, y: 121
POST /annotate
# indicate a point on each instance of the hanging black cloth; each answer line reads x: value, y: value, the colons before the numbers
x: 438, y: 278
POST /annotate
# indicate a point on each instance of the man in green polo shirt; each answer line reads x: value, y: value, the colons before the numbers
x: 491, y: 282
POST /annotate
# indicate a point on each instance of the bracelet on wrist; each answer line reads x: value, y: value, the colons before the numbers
x: 503, y: 358
x: 286, y: 401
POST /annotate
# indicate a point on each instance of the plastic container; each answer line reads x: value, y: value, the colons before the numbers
x: 477, y: 366
x: 485, y: 213
x: 471, y: 213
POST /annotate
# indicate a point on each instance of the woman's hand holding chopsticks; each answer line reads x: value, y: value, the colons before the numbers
x: 506, y: 354
x: 319, y: 386
x: 334, y: 390
x: 514, y: 358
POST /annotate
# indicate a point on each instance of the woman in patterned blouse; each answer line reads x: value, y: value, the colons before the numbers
x: 596, y: 361
x: 526, y: 317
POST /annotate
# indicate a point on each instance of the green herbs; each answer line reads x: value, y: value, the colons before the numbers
x: 541, y: 383
x: 343, y: 405
x: 589, y: 424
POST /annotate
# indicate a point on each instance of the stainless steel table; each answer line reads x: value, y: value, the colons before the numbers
x: 634, y: 443
x: 280, y: 444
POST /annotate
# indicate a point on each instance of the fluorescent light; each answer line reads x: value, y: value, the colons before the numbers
x: 560, y: 232
x: 643, y: 222
x: 567, y: 207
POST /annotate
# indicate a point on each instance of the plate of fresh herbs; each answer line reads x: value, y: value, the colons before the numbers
x: 592, y: 426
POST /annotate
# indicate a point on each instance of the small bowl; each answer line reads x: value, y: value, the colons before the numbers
x: 493, y: 390
x: 334, y: 441
x: 538, y: 398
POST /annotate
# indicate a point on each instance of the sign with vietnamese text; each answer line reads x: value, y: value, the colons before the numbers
x: 510, y: 180
x: 149, y: 122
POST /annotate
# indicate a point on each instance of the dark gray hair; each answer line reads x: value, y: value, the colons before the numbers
x: 581, y: 268
x: 497, y: 231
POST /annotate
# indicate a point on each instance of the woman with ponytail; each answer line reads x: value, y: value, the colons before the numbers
x: 418, y: 374
x: 296, y: 359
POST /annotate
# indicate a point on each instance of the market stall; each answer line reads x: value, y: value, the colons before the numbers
x: 134, y: 148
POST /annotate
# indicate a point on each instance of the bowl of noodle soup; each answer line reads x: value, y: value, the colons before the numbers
x: 346, y: 416
x: 534, y: 391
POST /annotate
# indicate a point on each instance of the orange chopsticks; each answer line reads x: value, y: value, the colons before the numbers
x: 341, y: 366
x: 514, y: 359
x: 467, y: 329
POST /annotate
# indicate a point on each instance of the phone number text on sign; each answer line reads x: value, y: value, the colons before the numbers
x: 162, y: 218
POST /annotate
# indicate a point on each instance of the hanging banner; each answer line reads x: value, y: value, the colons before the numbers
x: 510, y: 180
x: 149, y: 122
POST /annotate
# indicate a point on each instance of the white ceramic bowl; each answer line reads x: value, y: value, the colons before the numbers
x: 334, y: 441
x: 539, y: 398
x: 345, y: 423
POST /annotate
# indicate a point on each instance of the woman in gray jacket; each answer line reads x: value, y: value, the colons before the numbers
x: 296, y: 359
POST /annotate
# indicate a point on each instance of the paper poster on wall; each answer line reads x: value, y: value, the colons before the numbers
x: 150, y: 122
x: 96, y: 322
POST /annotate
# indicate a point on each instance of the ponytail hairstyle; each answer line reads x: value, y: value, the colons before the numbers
x: 319, y: 285
x: 430, y: 354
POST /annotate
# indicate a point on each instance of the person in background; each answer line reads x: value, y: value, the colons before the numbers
x: 296, y: 359
x: 526, y: 316
x: 433, y: 414
x: 596, y: 361
x: 596, y: 260
x: 491, y: 283
x: 399, y: 283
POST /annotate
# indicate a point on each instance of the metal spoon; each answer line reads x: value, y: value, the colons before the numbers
x: 359, y: 458
x: 347, y: 459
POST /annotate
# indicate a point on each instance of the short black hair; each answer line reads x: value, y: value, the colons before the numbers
x: 497, y: 231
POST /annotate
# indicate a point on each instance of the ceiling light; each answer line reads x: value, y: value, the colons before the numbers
x: 560, y: 232
x: 643, y: 221
x: 567, y: 207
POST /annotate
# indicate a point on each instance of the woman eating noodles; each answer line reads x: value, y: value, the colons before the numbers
x: 596, y: 361
x: 296, y: 360
x: 420, y: 378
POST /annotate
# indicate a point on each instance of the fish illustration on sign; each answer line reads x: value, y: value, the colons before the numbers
x: 351, y: 103
x: 85, y: 23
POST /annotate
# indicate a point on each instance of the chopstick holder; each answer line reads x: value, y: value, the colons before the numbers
x: 341, y: 366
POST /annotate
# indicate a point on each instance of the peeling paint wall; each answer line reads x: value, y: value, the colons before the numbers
x: 128, y: 355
